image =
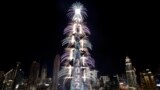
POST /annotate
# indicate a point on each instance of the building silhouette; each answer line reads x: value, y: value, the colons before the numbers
x: 33, y: 75
x: 10, y: 78
x: 43, y: 74
x: 1, y: 78
x: 147, y: 80
x: 56, y: 66
x: 131, y: 75
x: 115, y: 82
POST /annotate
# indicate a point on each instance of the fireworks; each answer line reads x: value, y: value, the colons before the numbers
x: 76, y: 53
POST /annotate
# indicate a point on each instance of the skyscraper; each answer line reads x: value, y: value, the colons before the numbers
x: 56, y: 66
x: 1, y: 78
x: 131, y: 75
x: 115, y: 82
x: 33, y: 75
x: 147, y: 80
x: 17, y: 74
x: 43, y: 74
x: 77, y: 59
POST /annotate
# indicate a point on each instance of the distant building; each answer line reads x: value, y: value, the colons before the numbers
x: 1, y: 79
x: 157, y: 77
x: 10, y: 78
x: 131, y: 75
x: 147, y: 80
x: 43, y: 74
x: 105, y: 78
x: 44, y: 83
x: 115, y: 82
x: 56, y: 66
x: 33, y: 75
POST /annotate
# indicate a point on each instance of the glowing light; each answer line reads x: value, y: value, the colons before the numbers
x: 83, y: 60
x: 69, y: 71
x: 80, y: 29
x: 17, y: 86
x: 71, y: 54
x: 121, y: 83
x: 46, y: 84
x: 77, y: 11
x: 158, y: 85
x: 84, y: 76
x: 82, y: 44
x: 10, y: 80
x: 72, y: 39
x: 74, y: 28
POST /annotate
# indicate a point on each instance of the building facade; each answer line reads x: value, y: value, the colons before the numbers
x: 131, y: 75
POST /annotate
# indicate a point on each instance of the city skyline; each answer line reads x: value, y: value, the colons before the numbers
x: 118, y: 30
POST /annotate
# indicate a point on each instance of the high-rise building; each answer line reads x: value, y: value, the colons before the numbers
x: 43, y: 74
x: 10, y: 78
x: 114, y: 82
x: 43, y: 82
x: 56, y: 66
x: 17, y: 75
x: 157, y: 78
x: 33, y: 75
x: 1, y: 79
x: 18, y: 81
x: 147, y: 80
x: 105, y: 79
x: 77, y: 59
x: 8, y: 82
x: 131, y: 75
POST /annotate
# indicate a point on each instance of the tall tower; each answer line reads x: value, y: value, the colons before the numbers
x: 77, y: 60
x: 55, y: 72
x: 131, y: 75
x: 43, y: 74
x: 33, y: 75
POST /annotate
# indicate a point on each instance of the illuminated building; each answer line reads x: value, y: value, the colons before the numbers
x: 114, y: 82
x: 147, y: 80
x: 10, y: 78
x: 157, y: 77
x: 131, y: 75
x: 56, y: 67
x: 44, y: 83
x: 77, y: 59
x: 105, y: 79
x: 43, y: 75
x: 33, y: 75
x: 18, y: 76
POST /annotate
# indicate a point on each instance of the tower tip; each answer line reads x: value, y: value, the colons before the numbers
x: 127, y: 59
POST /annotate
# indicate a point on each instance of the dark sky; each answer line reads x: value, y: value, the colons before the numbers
x: 34, y: 30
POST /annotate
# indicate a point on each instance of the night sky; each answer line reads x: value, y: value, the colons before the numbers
x: 34, y: 30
